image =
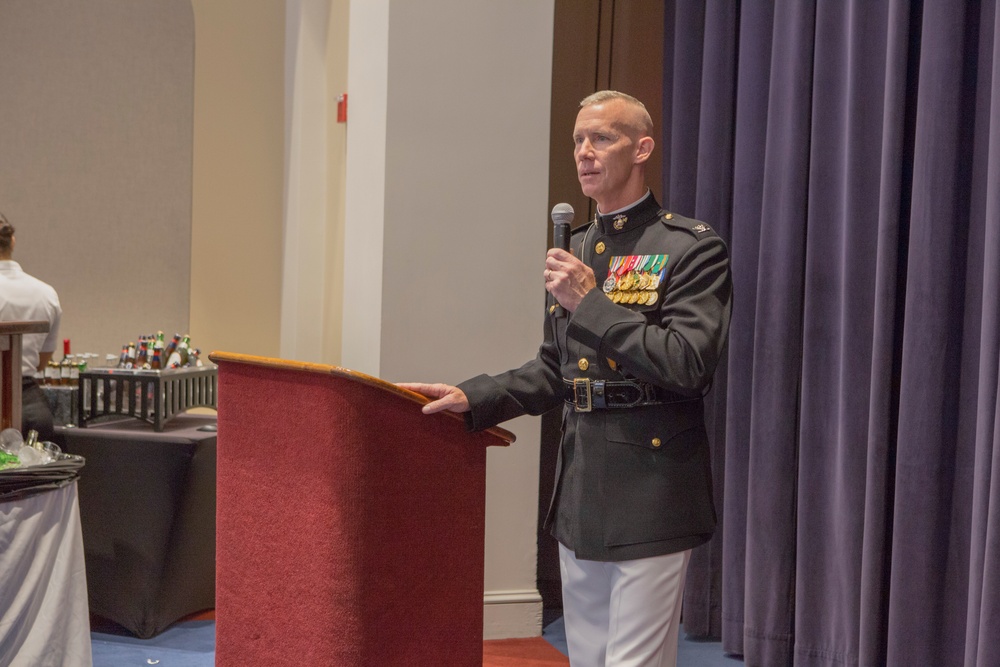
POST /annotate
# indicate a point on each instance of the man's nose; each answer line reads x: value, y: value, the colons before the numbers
x: 585, y: 150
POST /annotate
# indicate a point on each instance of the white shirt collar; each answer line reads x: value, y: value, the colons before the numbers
x: 625, y: 208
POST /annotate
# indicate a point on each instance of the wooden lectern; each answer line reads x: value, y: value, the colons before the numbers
x: 10, y: 369
x: 350, y: 526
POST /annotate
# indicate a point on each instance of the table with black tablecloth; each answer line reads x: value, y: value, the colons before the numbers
x: 147, y: 509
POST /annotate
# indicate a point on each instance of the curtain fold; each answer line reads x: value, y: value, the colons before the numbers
x: 768, y: 628
x: 712, y: 178
x: 983, y: 605
x: 901, y: 46
x: 850, y: 155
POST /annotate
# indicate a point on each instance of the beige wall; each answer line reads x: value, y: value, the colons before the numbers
x: 238, y: 174
x: 95, y: 160
x: 143, y: 165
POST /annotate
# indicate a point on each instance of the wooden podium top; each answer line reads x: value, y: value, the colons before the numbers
x: 284, y: 364
x: 23, y: 327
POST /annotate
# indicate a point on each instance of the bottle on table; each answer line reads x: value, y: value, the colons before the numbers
x: 52, y: 373
x: 123, y: 357
x: 179, y: 357
x: 82, y: 362
x: 142, y: 357
x: 66, y: 366
x: 130, y: 356
x: 169, y: 350
x: 159, y: 344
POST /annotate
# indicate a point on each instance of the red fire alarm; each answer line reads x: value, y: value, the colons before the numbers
x: 342, y: 108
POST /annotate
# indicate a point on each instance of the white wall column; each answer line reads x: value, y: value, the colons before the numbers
x: 446, y: 218
x: 364, y: 216
x: 304, y: 284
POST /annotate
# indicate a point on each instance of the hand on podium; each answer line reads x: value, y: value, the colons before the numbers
x: 448, y: 397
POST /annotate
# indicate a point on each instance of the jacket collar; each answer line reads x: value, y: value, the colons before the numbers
x: 633, y: 217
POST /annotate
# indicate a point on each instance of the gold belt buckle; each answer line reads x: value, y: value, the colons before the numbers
x: 581, y: 395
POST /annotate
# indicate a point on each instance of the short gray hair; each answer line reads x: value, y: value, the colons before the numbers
x: 603, y: 96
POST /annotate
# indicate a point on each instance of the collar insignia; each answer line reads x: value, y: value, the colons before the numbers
x: 620, y: 221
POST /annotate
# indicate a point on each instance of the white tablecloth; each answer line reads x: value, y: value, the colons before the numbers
x: 44, y: 618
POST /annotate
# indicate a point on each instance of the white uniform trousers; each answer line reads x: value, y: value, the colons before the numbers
x: 624, y: 614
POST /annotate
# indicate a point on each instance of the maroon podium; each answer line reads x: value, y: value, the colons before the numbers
x: 350, y: 526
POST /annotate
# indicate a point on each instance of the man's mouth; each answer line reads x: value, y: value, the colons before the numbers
x: 588, y: 172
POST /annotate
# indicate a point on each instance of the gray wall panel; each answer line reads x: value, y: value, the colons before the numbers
x: 96, y: 159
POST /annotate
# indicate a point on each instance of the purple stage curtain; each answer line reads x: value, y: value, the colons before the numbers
x: 849, y: 152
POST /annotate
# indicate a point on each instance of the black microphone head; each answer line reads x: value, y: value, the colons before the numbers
x: 562, y: 214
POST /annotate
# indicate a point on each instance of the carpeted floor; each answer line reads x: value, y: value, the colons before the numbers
x: 531, y: 652
x: 192, y: 644
x: 188, y: 644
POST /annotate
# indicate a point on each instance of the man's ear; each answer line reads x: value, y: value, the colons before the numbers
x: 644, y: 148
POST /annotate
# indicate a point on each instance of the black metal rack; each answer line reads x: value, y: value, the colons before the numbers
x: 152, y: 396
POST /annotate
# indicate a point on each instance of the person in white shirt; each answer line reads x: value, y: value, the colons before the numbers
x: 26, y: 298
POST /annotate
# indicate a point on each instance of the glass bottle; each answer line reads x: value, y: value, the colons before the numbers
x: 52, y: 373
x: 159, y: 343
x: 179, y: 358
x: 66, y: 366
x: 130, y: 355
x: 169, y: 351
x: 142, y: 357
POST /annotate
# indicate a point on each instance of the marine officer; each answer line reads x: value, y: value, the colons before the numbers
x: 646, y: 298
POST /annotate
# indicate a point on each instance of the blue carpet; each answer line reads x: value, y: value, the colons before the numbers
x: 192, y: 644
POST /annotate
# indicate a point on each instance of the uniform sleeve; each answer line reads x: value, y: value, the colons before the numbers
x: 679, y: 348
x: 534, y: 388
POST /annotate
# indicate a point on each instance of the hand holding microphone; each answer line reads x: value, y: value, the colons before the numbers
x: 567, y: 279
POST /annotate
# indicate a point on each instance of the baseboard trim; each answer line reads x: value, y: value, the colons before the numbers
x: 511, y: 614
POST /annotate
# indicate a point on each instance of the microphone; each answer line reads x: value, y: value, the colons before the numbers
x: 562, y: 216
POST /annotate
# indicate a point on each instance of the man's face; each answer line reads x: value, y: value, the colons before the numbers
x: 605, y: 153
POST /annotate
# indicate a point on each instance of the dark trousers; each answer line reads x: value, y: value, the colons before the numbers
x: 35, y: 411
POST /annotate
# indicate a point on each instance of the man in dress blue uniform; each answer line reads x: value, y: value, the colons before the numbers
x: 646, y: 297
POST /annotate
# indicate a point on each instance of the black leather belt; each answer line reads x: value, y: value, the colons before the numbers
x: 585, y: 394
